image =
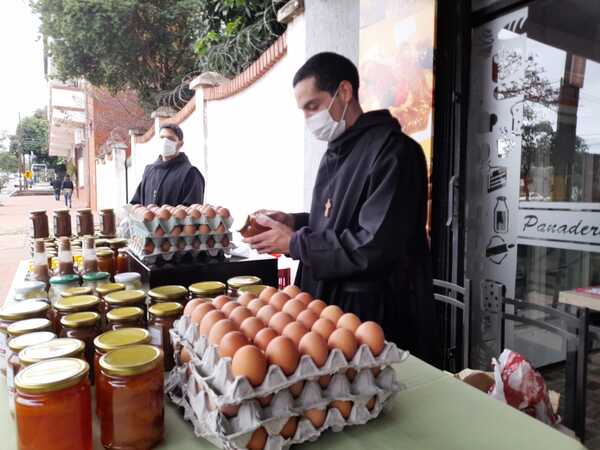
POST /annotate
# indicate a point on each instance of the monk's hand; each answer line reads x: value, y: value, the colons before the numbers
x: 279, y: 216
x: 275, y: 240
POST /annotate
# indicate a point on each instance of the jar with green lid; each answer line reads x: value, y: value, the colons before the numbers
x: 59, y: 392
x: 84, y: 326
x: 70, y: 305
x: 29, y: 289
x: 74, y: 291
x: 15, y: 312
x: 125, y: 298
x: 255, y: 289
x: 131, y: 280
x: 94, y: 280
x: 28, y: 326
x: 13, y: 365
x: 161, y: 319
x: 233, y: 284
x: 113, y: 340
x: 55, y: 348
x: 60, y: 283
x: 172, y: 293
x: 132, y: 381
x: 207, y: 289
x: 128, y: 316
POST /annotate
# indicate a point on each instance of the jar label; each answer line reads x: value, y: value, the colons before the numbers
x: 155, y: 335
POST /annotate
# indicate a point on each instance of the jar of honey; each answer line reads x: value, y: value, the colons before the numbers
x: 107, y: 223
x: 106, y: 260
x: 207, y: 289
x: 233, y: 284
x: 172, y: 293
x: 123, y: 261
x: 162, y: 316
x: 62, y: 223
x: 60, y: 283
x: 125, y: 298
x: 132, y: 399
x: 70, y: 305
x: 55, y: 348
x: 94, y: 280
x: 131, y: 280
x: 113, y: 340
x: 39, y: 222
x: 125, y: 317
x: 53, y: 406
x: 85, y: 222
x: 84, y: 326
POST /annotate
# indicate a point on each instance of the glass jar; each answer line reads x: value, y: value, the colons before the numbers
x: 39, y: 222
x: 55, y: 348
x: 84, y: 326
x: 94, y: 280
x: 106, y: 260
x: 123, y: 261
x: 131, y: 280
x: 131, y: 383
x: 255, y: 289
x: 172, y: 293
x: 233, y: 284
x: 75, y: 291
x: 28, y: 326
x: 57, y: 391
x: 30, y: 289
x: 40, y: 270
x: 102, y: 292
x: 207, y: 289
x: 85, y: 222
x: 162, y: 316
x: 117, y: 244
x: 126, y: 298
x: 90, y: 263
x: 107, y: 223
x: 13, y: 363
x: 62, y: 223
x: 102, y: 243
x: 113, y: 340
x: 65, y: 257
x: 60, y: 283
x: 70, y: 305
x: 125, y: 317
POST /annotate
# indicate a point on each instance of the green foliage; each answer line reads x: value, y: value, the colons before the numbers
x: 31, y: 136
x: 8, y: 162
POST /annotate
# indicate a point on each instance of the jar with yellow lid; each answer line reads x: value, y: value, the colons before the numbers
x: 127, y: 316
x: 30, y: 289
x: 106, y: 260
x: 162, y: 316
x: 74, y: 291
x: 172, y: 293
x: 57, y: 391
x: 207, y: 289
x: 28, y: 326
x: 56, y: 348
x: 255, y: 289
x: 13, y: 365
x: 233, y: 284
x: 94, y: 280
x: 131, y: 382
x: 84, y: 326
x: 125, y: 298
x: 13, y: 313
x: 113, y: 340
x: 70, y: 305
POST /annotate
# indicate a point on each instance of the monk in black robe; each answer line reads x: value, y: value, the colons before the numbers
x: 363, y: 246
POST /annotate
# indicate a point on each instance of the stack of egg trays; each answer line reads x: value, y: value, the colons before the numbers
x: 206, y: 385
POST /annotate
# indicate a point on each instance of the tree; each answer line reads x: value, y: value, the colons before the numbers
x: 31, y: 137
x: 8, y: 162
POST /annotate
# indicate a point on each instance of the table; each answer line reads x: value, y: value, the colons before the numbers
x: 434, y: 411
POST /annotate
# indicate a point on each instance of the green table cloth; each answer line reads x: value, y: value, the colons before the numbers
x: 434, y: 411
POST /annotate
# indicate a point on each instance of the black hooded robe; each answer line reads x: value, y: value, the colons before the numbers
x: 173, y: 182
x: 371, y: 255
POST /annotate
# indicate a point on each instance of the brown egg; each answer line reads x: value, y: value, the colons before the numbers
x: 258, y: 440
x: 267, y: 293
x: 149, y: 247
x: 371, y: 333
x: 220, y: 301
x: 255, y: 305
x: 239, y: 314
x: 343, y: 406
x: 371, y: 403
x: 195, y: 214
x: 196, y: 244
x: 282, y: 352
x: 279, y: 300
x: 230, y: 410
x: 224, y: 213
x: 200, y: 311
x: 151, y: 206
x: 263, y: 337
x: 180, y: 213
x: 296, y: 389
x: 266, y: 313
x: 220, y: 329
x: 225, y: 241
x: 307, y: 318
x: 210, y: 212
x: 149, y: 216
x: 165, y: 245
x: 181, y: 244
x: 229, y: 307
x: 294, y: 308
x: 176, y: 230
x: 333, y: 313
x: 203, y: 229
x: 295, y: 331
x: 291, y: 290
x: 324, y: 327
x: 289, y: 429
x: 279, y: 321
x: 251, y: 326
x: 164, y: 214
x: 305, y: 298
x: 231, y: 343
x: 376, y: 371
x: 266, y: 400
x: 324, y: 381
x: 189, y: 230
x: 316, y: 416
x: 345, y: 341
x: 250, y: 362
x: 349, y: 321
x: 186, y: 357
x: 220, y: 229
x: 313, y: 345
x: 189, y: 307
x: 317, y: 306
x: 351, y: 374
x: 159, y: 232
x: 211, y: 318
x: 210, y: 242
x: 246, y: 298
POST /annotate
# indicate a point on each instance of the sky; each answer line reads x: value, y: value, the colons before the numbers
x: 23, y: 88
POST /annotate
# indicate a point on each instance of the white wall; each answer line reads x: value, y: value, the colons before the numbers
x: 110, y: 184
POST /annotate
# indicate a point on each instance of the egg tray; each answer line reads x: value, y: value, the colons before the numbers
x: 216, y: 377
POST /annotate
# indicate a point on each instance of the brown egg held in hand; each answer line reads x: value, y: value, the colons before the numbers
x: 324, y: 327
x: 246, y: 298
x: 345, y: 341
x: 239, y: 314
x: 266, y: 313
x: 291, y: 290
x: 282, y: 352
x: 349, y: 321
x: 266, y: 294
x: 251, y: 326
x: 229, y: 307
x: 289, y: 429
x: 295, y: 331
x: 371, y: 333
x: 263, y: 337
x: 333, y: 313
x: 250, y: 362
x: 220, y: 301
x: 189, y: 307
x: 258, y: 440
x: 313, y: 345
x: 316, y: 416
x: 220, y: 329
x: 343, y: 406
x: 279, y: 321
x: 279, y: 300
x: 305, y: 298
x: 317, y: 306
x: 200, y: 311
x: 231, y: 343
x: 255, y: 305
x: 307, y: 318
x: 294, y: 308
x: 209, y: 320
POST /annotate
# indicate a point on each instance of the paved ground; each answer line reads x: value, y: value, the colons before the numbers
x: 14, y: 223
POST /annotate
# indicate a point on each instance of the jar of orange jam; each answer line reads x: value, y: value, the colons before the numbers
x: 172, y: 293
x: 56, y: 348
x: 162, y: 316
x: 126, y: 317
x: 113, y: 340
x: 103, y: 291
x: 84, y: 326
x: 207, y: 289
x: 53, y: 406
x: 132, y: 399
x: 125, y: 298
x: 70, y: 305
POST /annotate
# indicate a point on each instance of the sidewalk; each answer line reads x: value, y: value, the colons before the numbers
x: 14, y: 222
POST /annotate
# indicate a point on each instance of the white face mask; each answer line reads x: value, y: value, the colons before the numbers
x: 323, y: 125
x: 167, y: 147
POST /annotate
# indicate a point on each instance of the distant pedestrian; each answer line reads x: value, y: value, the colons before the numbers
x: 56, y: 185
x: 67, y: 190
